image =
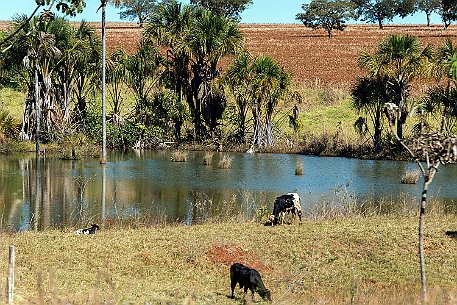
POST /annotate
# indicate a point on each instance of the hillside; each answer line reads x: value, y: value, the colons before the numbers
x: 312, y: 58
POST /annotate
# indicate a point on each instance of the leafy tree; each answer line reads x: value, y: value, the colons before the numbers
x: 136, y: 9
x: 428, y: 7
x: 375, y: 11
x: 228, y: 8
x: 370, y: 95
x: 448, y: 11
x: 400, y: 59
x: 380, y: 11
x: 326, y: 14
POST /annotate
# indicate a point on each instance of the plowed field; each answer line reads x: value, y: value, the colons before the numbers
x: 311, y: 57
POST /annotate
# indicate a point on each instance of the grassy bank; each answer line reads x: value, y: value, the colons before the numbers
x: 345, y: 260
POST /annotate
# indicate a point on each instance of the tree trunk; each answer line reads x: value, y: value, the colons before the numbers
x: 37, y: 114
x: 380, y: 24
x: 103, y: 157
x: 428, y: 19
x: 377, y: 131
x: 427, y: 180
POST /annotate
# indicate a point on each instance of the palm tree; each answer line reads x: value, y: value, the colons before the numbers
x: 370, y: 95
x: 196, y: 40
x: 239, y: 77
x: 271, y: 83
x: 400, y: 59
x: 116, y: 73
x: 169, y: 24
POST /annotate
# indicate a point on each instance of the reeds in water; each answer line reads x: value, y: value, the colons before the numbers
x: 208, y: 158
x: 410, y: 177
x: 179, y: 156
x: 225, y: 162
x: 299, y: 168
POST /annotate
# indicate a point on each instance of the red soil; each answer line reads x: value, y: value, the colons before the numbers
x: 310, y: 56
x: 227, y: 255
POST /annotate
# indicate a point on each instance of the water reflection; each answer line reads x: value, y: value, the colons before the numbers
x: 47, y: 193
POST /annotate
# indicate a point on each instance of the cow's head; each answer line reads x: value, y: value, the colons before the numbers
x: 265, y: 294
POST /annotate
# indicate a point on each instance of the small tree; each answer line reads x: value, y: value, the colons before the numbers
x: 227, y: 8
x: 369, y: 95
x: 136, y: 9
x: 326, y: 14
x: 448, y: 11
x: 373, y: 11
x: 428, y: 7
x: 434, y: 149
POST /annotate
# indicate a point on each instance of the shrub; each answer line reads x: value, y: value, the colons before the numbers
x: 208, y: 158
x: 225, y: 162
x: 299, y: 168
x: 179, y: 156
x: 410, y: 177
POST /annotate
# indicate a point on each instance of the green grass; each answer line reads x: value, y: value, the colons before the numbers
x: 343, y: 260
x: 12, y: 101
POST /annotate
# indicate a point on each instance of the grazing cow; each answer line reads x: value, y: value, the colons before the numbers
x: 452, y: 234
x: 88, y: 231
x: 248, y: 278
x: 286, y: 204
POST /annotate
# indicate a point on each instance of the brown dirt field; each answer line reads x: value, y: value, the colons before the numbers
x: 310, y: 56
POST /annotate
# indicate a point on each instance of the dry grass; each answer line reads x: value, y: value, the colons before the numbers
x: 208, y: 158
x: 410, y: 177
x: 225, y: 162
x: 179, y: 156
x: 344, y: 260
x: 299, y: 168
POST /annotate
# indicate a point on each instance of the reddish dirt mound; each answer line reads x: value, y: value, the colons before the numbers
x: 227, y: 255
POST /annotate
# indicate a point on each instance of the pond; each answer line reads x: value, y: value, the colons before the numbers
x: 140, y: 185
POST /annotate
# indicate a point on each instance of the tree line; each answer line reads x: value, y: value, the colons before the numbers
x: 332, y: 15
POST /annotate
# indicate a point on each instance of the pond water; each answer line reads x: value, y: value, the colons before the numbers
x: 148, y: 185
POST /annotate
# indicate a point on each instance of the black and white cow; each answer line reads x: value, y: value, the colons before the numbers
x: 88, y: 231
x: 248, y: 278
x: 285, y: 204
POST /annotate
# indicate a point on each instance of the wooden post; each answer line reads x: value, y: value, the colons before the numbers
x: 11, y: 276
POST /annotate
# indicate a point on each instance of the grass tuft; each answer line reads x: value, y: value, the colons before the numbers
x: 410, y: 177
x: 299, y: 168
x: 208, y: 158
x: 179, y: 156
x: 225, y: 162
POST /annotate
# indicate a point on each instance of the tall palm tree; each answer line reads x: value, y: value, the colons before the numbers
x: 211, y: 38
x: 271, y: 83
x: 239, y: 77
x: 399, y: 58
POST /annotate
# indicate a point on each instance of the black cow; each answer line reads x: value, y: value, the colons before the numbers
x: 87, y: 231
x: 248, y: 278
x: 285, y: 204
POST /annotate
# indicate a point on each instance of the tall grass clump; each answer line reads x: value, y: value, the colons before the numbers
x: 208, y: 158
x: 179, y: 156
x: 299, y: 168
x: 410, y: 177
x: 225, y: 162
